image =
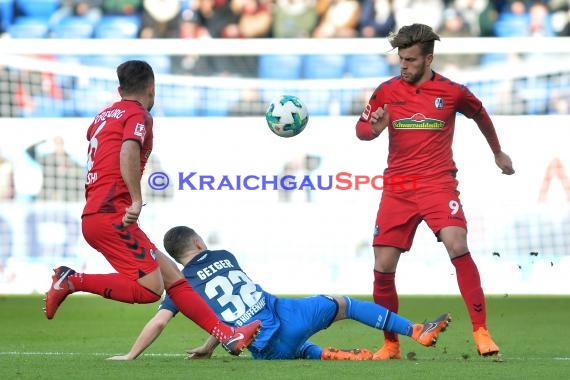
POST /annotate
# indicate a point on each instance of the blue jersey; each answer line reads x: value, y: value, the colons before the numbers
x: 220, y: 281
x: 286, y: 323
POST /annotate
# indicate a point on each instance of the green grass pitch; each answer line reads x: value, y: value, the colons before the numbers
x: 531, y: 331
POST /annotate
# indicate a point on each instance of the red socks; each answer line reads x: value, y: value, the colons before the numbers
x: 470, y: 288
x: 385, y: 294
x: 120, y: 288
x: 195, y: 308
x: 114, y: 286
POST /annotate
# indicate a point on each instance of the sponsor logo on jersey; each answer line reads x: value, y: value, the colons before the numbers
x: 258, y: 306
x: 438, y: 103
x: 418, y: 121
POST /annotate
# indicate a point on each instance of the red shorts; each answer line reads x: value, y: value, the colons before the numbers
x: 127, y: 249
x: 400, y: 213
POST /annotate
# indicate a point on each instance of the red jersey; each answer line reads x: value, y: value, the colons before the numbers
x: 105, y: 190
x: 421, y: 125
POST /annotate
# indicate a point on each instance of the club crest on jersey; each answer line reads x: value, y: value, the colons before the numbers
x: 140, y: 130
x: 418, y: 121
x: 438, y: 103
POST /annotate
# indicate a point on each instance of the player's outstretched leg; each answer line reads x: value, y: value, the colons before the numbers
x: 243, y: 336
x: 426, y: 333
x: 331, y: 353
x: 58, y: 291
x: 484, y: 343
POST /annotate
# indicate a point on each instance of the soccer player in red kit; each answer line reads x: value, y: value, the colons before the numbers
x: 120, y: 142
x: 418, y: 110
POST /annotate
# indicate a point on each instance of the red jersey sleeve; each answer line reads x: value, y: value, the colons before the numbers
x: 136, y: 128
x: 139, y: 128
x: 363, y: 128
x: 467, y: 103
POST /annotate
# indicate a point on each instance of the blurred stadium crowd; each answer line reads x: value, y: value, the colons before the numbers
x: 25, y: 92
x: 278, y: 18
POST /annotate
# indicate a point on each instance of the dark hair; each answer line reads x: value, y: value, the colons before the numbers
x: 411, y: 35
x: 178, y: 240
x: 134, y: 76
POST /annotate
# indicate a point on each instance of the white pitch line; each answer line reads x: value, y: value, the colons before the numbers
x: 15, y: 353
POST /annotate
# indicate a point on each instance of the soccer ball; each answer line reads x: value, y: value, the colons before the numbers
x: 287, y: 116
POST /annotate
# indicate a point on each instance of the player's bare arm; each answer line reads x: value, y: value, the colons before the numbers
x: 149, y: 333
x: 504, y: 163
x: 205, y: 351
x: 131, y: 173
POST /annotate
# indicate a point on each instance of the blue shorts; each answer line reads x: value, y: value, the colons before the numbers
x: 300, y: 319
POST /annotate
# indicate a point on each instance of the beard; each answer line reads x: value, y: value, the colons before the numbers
x: 412, y: 78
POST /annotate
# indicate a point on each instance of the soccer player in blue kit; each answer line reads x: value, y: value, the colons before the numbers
x: 286, y: 323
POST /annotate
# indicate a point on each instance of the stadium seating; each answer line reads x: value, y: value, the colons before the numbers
x: 90, y: 98
x: 278, y: 74
x: 161, y: 64
x: 28, y: 27
x: 367, y: 66
x: 280, y: 66
x: 219, y: 101
x: 45, y: 106
x: 535, y: 93
x: 352, y: 101
x: 103, y: 61
x: 512, y: 25
x: 493, y: 59
x: 177, y: 101
x: 118, y: 27
x: 488, y: 92
x: 325, y: 66
x: 38, y: 8
x: 6, y: 14
x: 72, y: 27
x: 319, y: 102
x: 269, y: 94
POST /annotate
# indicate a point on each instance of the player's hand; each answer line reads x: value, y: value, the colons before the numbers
x: 379, y: 119
x: 120, y: 357
x: 201, y: 352
x: 504, y: 162
x: 132, y: 213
